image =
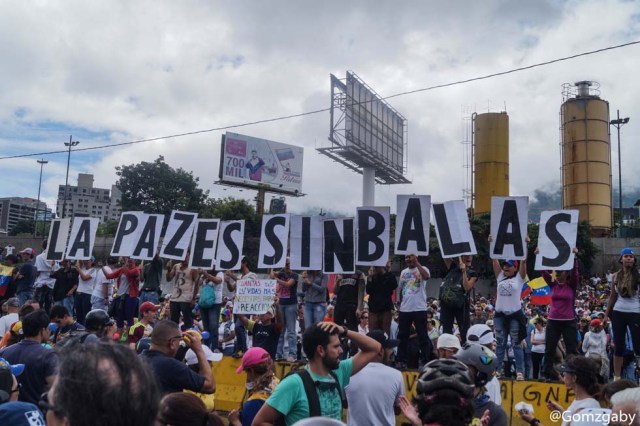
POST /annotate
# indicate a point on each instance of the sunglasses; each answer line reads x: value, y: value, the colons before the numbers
x: 45, y: 406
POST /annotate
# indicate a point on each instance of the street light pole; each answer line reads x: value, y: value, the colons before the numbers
x: 619, y: 122
x: 35, y: 230
x: 69, y: 144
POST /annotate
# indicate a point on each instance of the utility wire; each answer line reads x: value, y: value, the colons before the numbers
x: 317, y: 111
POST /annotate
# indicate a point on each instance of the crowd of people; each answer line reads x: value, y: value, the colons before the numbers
x: 126, y: 342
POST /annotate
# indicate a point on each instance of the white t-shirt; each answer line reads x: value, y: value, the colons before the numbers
x: 98, y: 290
x: 413, y: 289
x: 217, y: 288
x: 6, y: 321
x: 626, y: 304
x: 578, y: 405
x: 493, y: 390
x: 508, y: 293
x: 595, y: 343
x: 44, y: 269
x: 372, y: 394
x: 9, y: 249
x: 86, y: 286
x: 539, y: 335
x: 221, y: 335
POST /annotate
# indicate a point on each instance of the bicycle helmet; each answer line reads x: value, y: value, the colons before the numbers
x: 97, y: 320
x: 480, y: 358
x: 445, y: 374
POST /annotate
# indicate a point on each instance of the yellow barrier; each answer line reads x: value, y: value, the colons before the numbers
x: 230, y: 390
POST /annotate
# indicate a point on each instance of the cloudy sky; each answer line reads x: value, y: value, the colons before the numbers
x: 117, y: 71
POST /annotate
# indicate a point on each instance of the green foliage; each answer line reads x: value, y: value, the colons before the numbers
x: 158, y: 188
x: 233, y: 209
x: 107, y: 229
x: 22, y: 227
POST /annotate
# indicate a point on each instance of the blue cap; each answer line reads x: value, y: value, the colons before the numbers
x: 16, y: 369
x: 20, y: 414
x: 624, y: 251
x: 509, y: 262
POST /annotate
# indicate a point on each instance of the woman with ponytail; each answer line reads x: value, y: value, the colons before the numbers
x: 624, y: 308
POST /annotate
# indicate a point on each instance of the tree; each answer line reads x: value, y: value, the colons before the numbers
x: 108, y: 229
x: 233, y: 209
x: 22, y: 227
x: 158, y: 188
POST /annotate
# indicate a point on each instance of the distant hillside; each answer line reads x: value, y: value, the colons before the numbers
x: 551, y: 199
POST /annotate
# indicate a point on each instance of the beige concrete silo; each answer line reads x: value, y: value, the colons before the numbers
x: 586, y: 155
x: 490, y: 159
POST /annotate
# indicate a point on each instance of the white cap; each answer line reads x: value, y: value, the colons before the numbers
x: 480, y: 333
x: 192, y: 359
x: 449, y: 341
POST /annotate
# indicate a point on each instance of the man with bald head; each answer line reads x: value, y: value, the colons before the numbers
x: 173, y: 375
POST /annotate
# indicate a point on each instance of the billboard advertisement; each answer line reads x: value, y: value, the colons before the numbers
x: 253, y: 162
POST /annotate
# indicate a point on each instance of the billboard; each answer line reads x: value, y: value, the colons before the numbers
x: 253, y: 162
x: 373, y: 125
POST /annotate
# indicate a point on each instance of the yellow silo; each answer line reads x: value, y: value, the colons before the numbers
x: 490, y: 159
x: 586, y: 155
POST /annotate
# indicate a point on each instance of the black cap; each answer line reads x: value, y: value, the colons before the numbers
x: 381, y: 337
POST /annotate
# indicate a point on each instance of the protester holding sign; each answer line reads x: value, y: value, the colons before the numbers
x: 266, y: 331
x: 454, y: 295
x: 210, y: 303
x: 126, y: 304
x: 624, y: 307
x: 183, y: 295
x: 413, y: 309
x: 562, y: 317
x: 509, y: 320
x: 314, y: 284
x: 287, y: 283
x: 87, y: 280
x: 381, y: 285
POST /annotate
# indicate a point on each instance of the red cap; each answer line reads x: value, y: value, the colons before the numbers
x: 595, y: 322
x: 148, y: 306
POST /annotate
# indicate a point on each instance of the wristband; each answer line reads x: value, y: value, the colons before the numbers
x: 344, y: 333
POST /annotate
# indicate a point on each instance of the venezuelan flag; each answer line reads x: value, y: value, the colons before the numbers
x: 5, y: 278
x: 539, y: 291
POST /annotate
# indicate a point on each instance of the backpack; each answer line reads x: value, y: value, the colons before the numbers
x: 452, y: 294
x: 207, y: 297
x: 312, y: 393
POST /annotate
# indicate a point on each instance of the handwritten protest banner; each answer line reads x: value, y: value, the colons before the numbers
x: 254, y: 296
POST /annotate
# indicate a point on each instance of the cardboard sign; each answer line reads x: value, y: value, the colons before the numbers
x: 509, y: 216
x: 203, y: 244
x: 373, y: 236
x: 149, y: 236
x: 306, y: 243
x: 338, y: 248
x: 178, y: 235
x: 412, y: 225
x: 274, y: 240
x: 82, y: 238
x: 230, y: 244
x: 127, y: 235
x: 453, y: 229
x: 57, y: 241
x: 556, y: 240
x: 254, y: 296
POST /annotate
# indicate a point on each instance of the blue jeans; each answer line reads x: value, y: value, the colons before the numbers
x: 314, y: 312
x: 290, y: 316
x: 148, y: 296
x: 512, y: 327
x: 23, y: 296
x: 210, y: 319
x: 67, y: 302
x: 83, y: 306
x: 241, y: 335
